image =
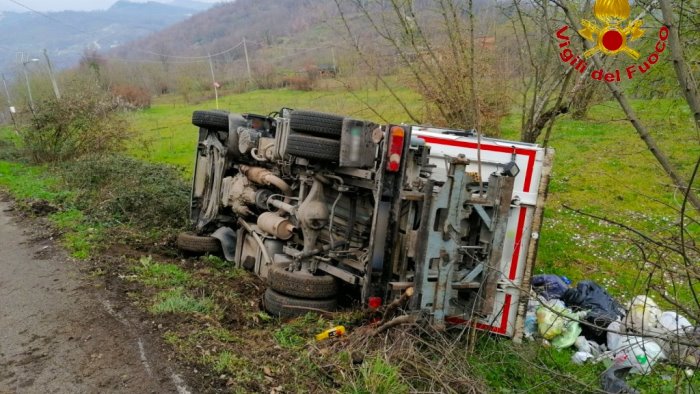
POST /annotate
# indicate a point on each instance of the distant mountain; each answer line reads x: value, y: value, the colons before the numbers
x: 266, y: 24
x: 194, y: 5
x: 67, y: 34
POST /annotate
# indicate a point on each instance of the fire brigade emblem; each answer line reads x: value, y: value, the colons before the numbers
x: 612, y: 36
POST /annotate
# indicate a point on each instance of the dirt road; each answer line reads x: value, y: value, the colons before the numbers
x: 61, y: 333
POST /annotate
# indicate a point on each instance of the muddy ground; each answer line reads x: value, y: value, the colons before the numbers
x: 63, y: 330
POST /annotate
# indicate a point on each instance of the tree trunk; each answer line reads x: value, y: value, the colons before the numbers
x: 690, y: 91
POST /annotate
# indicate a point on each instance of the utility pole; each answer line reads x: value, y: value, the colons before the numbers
x: 9, y: 104
x: 213, y: 81
x: 247, y: 61
x: 26, y: 78
x: 53, y: 79
x: 335, y: 64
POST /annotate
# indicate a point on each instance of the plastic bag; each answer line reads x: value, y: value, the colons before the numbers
x: 602, y: 309
x: 530, y: 326
x: 613, y: 380
x: 682, y: 347
x: 550, y: 322
x: 614, y: 335
x: 549, y: 286
x: 582, y: 344
x: 674, y: 323
x: 643, y: 315
x: 568, y: 336
x: 639, y: 353
x: 580, y: 358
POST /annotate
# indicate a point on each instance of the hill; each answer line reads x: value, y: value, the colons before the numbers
x: 264, y: 23
x: 67, y: 34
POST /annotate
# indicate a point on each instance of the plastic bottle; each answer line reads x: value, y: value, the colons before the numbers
x: 337, y: 331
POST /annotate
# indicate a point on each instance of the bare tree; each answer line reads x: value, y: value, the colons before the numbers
x: 435, y: 44
x: 644, y: 134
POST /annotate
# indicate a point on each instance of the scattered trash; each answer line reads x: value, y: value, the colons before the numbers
x: 530, y: 325
x: 582, y: 344
x: 337, y: 331
x: 613, y: 380
x: 639, y: 353
x: 550, y: 320
x: 550, y: 286
x: 568, y: 336
x: 683, y: 349
x: 580, y: 358
x: 643, y: 315
x: 602, y: 309
x: 614, y: 335
x: 674, y: 323
x: 589, y: 318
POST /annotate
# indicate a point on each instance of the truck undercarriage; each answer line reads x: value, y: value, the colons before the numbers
x: 329, y: 208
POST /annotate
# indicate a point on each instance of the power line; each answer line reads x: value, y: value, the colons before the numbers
x: 143, y: 61
x: 190, y: 57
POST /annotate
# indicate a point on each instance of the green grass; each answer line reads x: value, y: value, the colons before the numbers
x: 31, y: 182
x: 513, y: 368
x: 296, y: 333
x: 161, y: 275
x: 178, y: 301
x: 377, y: 376
x: 81, y: 236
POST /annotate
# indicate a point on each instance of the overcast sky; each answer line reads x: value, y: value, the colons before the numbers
x: 61, y: 5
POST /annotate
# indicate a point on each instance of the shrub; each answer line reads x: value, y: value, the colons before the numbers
x: 131, y: 97
x: 299, y: 82
x: 85, y: 120
x: 121, y: 190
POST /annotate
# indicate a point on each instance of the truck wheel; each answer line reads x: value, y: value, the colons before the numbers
x: 301, y: 284
x: 191, y: 242
x: 317, y: 123
x: 284, y: 306
x: 312, y: 147
x: 213, y: 120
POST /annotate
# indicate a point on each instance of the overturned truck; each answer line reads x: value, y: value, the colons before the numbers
x: 331, y: 209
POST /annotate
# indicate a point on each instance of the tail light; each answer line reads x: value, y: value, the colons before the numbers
x: 396, y: 138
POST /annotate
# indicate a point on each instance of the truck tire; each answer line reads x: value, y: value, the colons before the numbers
x: 301, y: 284
x: 311, y: 147
x: 283, y: 306
x: 317, y: 123
x: 191, y: 242
x: 213, y: 120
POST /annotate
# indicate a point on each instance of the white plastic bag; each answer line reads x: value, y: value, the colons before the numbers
x: 580, y: 358
x: 643, y: 315
x: 639, y: 353
x: 614, y: 335
x: 582, y: 344
x: 674, y: 323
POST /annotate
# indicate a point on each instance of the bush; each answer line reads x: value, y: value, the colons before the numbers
x: 299, y: 82
x: 84, y: 121
x: 131, y: 97
x: 120, y: 190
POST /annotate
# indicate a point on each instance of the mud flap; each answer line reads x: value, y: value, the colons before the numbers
x: 227, y: 237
